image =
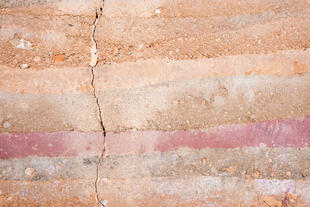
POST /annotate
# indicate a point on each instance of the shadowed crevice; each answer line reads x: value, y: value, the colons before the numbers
x: 93, y: 63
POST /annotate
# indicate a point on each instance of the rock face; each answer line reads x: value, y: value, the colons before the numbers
x: 155, y: 103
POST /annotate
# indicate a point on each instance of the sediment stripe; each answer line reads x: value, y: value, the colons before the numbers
x: 249, y: 162
x: 47, y: 168
x: 163, y: 39
x: 136, y: 31
x: 192, y: 104
x: 182, y: 191
x: 157, y: 71
x: 52, y: 7
x: 49, y: 81
x: 161, y: 30
x: 197, y: 8
x: 200, y: 191
x: 54, y: 144
x: 255, y: 162
x: 48, y: 113
x: 169, y: 8
x: 56, y: 193
x: 278, y: 133
x: 201, y: 104
x: 151, y: 72
x: 45, y: 41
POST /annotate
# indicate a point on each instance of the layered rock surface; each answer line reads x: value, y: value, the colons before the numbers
x: 202, y: 103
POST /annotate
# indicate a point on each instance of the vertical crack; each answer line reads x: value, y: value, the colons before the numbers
x: 93, y: 63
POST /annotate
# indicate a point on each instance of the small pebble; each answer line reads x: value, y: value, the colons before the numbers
x: 36, y: 59
x: 22, y: 44
x: 256, y: 174
x: 157, y: 11
x: 6, y: 124
x: 29, y: 171
x: 24, y: 66
x: 140, y: 47
x: 59, y: 57
x: 230, y: 169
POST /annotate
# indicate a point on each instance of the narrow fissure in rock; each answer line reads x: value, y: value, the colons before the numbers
x: 93, y: 63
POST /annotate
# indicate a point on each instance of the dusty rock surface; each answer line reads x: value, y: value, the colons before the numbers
x: 154, y: 103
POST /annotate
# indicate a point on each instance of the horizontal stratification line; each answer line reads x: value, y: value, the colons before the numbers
x: 277, y: 133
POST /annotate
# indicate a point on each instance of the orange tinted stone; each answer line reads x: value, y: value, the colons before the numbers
x: 59, y: 57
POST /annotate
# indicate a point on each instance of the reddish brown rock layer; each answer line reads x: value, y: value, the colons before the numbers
x: 285, y: 133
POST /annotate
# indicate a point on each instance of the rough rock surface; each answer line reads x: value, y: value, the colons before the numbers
x: 154, y: 103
